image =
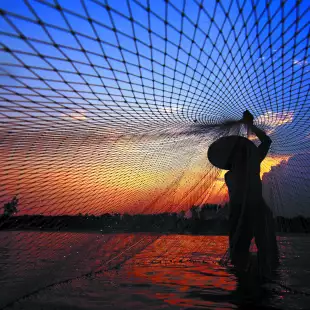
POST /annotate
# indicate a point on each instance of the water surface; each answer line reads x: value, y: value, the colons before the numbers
x: 141, y: 271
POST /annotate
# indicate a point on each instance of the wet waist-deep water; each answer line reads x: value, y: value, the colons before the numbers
x: 141, y: 271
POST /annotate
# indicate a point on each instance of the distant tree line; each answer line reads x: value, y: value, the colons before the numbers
x: 10, y: 207
x: 200, y: 220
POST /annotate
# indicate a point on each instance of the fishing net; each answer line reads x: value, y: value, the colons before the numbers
x: 107, y: 110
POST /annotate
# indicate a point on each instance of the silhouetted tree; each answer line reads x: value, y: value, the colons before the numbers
x: 195, y: 212
x: 10, y: 207
x: 208, y: 210
x: 182, y: 214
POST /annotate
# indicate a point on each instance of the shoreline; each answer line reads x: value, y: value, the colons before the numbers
x: 279, y: 234
x: 113, y: 232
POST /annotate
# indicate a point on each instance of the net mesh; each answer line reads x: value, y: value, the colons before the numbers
x: 110, y: 106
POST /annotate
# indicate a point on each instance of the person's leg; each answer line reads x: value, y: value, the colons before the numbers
x: 265, y: 239
x: 241, y: 234
x: 272, y: 238
x: 234, y: 216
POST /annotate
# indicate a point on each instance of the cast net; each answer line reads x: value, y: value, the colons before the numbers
x: 107, y: 110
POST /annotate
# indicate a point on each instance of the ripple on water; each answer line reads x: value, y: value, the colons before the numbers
x: 153, y: 272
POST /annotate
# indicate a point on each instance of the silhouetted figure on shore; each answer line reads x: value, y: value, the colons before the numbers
x: 249, y: 215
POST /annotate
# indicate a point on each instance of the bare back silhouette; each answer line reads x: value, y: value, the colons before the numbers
x: 249, y: 215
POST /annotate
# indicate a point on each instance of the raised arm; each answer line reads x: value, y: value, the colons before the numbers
x: 264, y: 147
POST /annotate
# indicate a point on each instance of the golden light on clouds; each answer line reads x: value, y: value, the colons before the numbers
x: 271, y: 161
x: 275, y: 119
x: 219, y: 190
x: 78, y: 115
x: 117, y: 175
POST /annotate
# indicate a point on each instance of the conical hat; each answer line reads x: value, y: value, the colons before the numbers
x: 220, y: 151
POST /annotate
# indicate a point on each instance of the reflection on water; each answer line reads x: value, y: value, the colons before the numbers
x: 140, y: 271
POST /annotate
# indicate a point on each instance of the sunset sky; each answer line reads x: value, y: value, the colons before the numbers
x: 98, y: 101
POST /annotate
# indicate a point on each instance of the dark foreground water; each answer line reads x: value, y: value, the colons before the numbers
x: 42, y: 270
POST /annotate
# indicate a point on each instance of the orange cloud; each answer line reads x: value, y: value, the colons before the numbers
x: 271, y: 161
x: 219, y: 191
x: 118, y: 175
x: 275, y: 119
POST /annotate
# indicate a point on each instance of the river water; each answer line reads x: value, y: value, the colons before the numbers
x: 65, y: 270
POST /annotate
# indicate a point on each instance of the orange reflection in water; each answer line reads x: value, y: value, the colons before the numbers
x: 183, y: 265
x: 140, y: 271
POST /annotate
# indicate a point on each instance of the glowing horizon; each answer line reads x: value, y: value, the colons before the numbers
x: 109, y: 108
x: 56, y: 182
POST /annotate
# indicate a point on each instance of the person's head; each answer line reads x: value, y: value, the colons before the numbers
x: 232, y: 151
x: 240, y: 155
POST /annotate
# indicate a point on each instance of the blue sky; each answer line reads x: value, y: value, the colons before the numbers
x: 146, y: 65
x: 220, y: 64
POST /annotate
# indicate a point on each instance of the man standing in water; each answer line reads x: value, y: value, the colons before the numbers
x: 249, y: 214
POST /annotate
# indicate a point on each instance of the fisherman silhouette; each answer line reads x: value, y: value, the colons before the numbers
x: 249, y: 215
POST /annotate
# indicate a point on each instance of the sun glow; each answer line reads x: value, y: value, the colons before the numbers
x: 143, y: 176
